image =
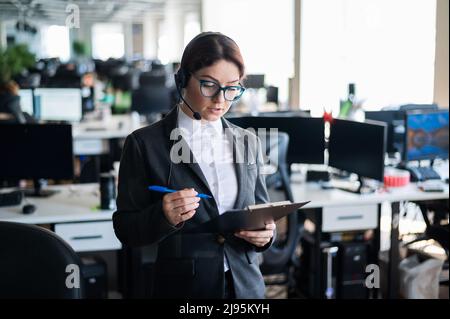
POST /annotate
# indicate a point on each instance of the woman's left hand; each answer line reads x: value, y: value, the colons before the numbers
x: 258, y: 238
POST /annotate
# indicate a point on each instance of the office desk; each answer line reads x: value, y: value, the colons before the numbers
x: 326, y: 198
x: 341, y: 211
x: 72, y: 214
x: 92, y: 137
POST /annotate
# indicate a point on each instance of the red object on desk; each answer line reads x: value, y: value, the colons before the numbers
x: 396, y: 178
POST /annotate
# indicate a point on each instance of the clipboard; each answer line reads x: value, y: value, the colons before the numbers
x: 251, y: 218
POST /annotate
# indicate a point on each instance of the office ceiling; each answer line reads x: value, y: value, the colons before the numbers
x: 54, y: 11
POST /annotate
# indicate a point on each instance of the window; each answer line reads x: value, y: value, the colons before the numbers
x: 191, y: 27
x: 264, y: 31
x: 55, y: 42
x: 385, y: 47
x: 107, y: 41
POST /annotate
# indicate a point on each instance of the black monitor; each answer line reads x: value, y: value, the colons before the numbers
x: 358, y: 147
x: 426, y: 135
x: 36, y: 151
x: 254, y: 81
x: 306, y: 135
x: 393, y: 119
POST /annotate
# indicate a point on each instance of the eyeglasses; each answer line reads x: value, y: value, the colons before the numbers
x: 211, y: 89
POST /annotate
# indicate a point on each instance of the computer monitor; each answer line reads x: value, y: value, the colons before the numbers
x: 254, y: 81
x: 36, y: 151
x: 56, y: 104
x: 306, y: 135
x: 426, y: 135
x: 391, y: 118
x: 26, y: 100
x: 358, y: 147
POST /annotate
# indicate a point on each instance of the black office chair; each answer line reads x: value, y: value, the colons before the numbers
x: 434, y: 229
x: 10, y: 105
x: 153, y: 96
x: 33, y: 263
x: 280, y: 257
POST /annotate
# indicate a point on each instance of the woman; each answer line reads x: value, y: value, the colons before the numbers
x: 192, y: 264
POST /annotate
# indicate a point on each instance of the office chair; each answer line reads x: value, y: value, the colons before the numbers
x: 272, y: 94
x: 28, y: 81
x: 33, y: 263
x: 279, y: 258
x: 153, y: 96
x: 434, y: 229
x: 10, y: 107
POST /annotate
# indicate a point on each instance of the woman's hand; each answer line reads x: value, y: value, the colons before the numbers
x: 258, y: 238
x: 180, y: 206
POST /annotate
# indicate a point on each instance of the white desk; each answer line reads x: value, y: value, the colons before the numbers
x: 335, y: 197
x: 91, y: 138
x: 73, y: 215
x: 337, y: 210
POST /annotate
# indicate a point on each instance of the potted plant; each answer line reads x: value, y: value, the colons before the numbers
x: 13, y: 61
x: 80, y: 48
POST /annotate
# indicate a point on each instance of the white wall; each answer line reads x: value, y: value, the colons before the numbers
x: 441, y: 64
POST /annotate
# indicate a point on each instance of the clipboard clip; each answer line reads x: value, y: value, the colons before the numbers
x: 267, y: 205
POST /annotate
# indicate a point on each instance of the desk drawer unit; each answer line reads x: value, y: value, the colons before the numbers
x: 354, y: 217
x: 89, y: 236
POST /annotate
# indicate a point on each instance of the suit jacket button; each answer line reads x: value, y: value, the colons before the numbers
x: 220, y: 239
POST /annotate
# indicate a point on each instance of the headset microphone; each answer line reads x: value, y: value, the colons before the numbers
x: 196, y: 115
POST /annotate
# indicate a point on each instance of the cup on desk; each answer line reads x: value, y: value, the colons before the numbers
x: 107, y: 191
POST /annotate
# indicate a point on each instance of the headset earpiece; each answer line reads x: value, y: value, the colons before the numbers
x: 180, y: 79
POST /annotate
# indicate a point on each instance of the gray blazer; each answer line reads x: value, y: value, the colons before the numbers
x: 188, y: 265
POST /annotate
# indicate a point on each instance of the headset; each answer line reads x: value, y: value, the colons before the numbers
x: 182, y: 76
x: 181, y: 82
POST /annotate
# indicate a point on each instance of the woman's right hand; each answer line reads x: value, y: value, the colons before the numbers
x: 180, y: 206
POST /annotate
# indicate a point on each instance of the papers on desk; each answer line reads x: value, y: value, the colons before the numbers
x: 254, y: 217
x: 431, y: 186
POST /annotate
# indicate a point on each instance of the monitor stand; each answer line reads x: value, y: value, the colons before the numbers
x: 37, y: 190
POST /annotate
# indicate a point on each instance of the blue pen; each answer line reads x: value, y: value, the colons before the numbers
x: 163, y: 189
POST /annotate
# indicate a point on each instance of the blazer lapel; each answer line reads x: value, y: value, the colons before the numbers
x: 171, y: 122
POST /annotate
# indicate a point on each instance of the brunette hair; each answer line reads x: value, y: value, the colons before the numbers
x: 206, y: 49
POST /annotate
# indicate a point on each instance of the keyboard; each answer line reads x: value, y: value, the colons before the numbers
x: 420, y: 174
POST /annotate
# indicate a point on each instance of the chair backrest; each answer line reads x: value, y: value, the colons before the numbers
x: 36, y: 263
x: 278, y: 257
x: 152, y: 99
x: 10, y: 104
x: 276, y: 148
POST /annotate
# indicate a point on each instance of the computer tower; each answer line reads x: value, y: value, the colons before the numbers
x: 323, y: 271
x: 338, y: 272
x: 95, y: 277
x: 351, y: 275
